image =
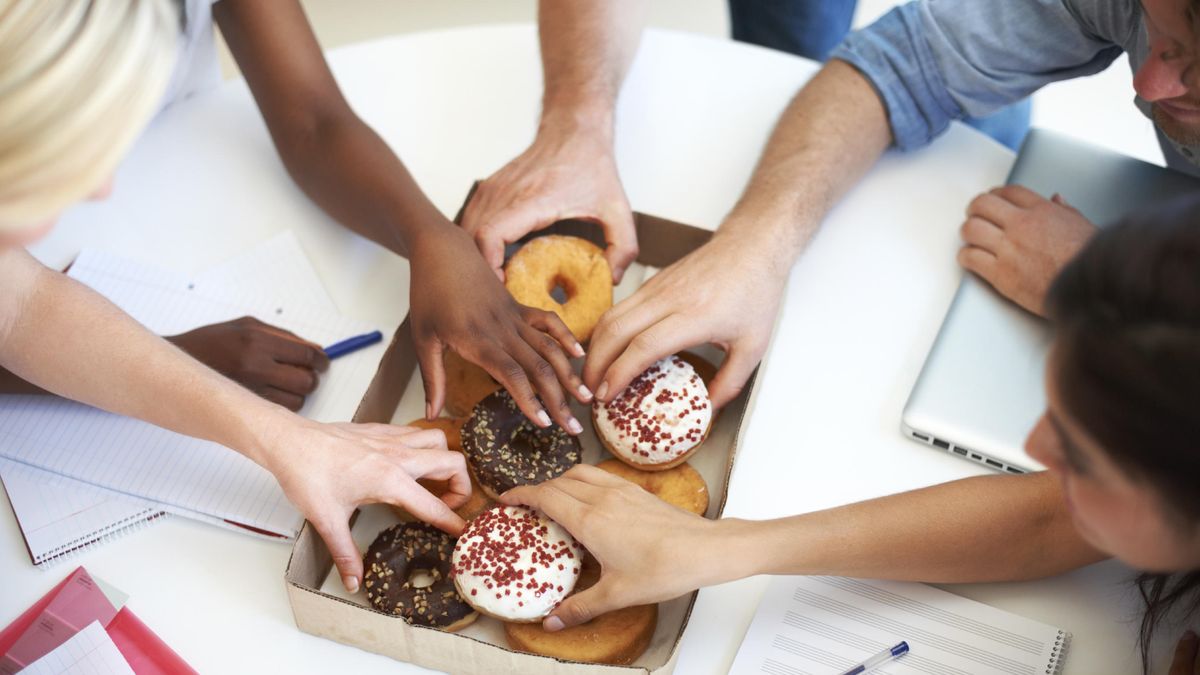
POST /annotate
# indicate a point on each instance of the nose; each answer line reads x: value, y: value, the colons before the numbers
x: 1160, y: 78
x: 102, y: 191
x: 1040, y: 444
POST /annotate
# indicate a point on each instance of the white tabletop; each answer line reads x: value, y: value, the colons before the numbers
x: 862, y: 308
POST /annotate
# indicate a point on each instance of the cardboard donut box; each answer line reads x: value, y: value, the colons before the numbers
x: 322, y: 608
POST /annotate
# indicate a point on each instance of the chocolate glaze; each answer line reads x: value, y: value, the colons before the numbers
x: 391, y: 559
x: 505, y: 449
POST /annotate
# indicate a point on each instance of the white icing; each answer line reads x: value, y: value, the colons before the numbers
x: 680, y: 422
x: 481, y: 561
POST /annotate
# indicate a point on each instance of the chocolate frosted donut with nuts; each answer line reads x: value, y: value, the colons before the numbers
x: 659, y: 420
x: 391, y: 563
x: 515, y: 564
x: 504, y: 449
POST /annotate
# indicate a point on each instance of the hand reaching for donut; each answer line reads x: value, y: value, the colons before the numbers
x: 649, y: 551
x: 458, y: 304
x: 725, y: 293
x: 328, y: 470
x: 561, y: 175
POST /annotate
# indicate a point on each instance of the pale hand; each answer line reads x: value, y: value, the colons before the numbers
x: 724, y: 293
x: 329, y: 470
x: 560, y: 176
x: 649, y: 551
x: 1018, y: 241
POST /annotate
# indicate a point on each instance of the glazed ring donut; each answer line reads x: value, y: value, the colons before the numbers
x: 504, y: 449
x: 515, y: 564
x: 575, y: 265
x: 466, y: 385
x: 681, y: 486
x: 392, y: 559
x: 659, y: 420
x: 618, y: 637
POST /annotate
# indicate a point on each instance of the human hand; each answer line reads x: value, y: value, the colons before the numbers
x: 271, y: 362
x: 1017, y: 241
x: 649, y: 551
x: 561, y: 175
x: 1187, y: 656
x: 458, y: 304
x: 329, y: 470
x: 725, y: 293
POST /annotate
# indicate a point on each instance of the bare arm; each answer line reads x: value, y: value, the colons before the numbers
x: 993, y: 528
x: 570, y: 170
x: 727, y: 292
x: 347, y: 169
x: 63, y: 337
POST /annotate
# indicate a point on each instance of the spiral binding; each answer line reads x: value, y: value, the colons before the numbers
x: 1058, y: 655
x: 104, y: 535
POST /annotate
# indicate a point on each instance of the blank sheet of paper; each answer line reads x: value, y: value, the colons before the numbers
x: 185, y: 475
x: 89, y: 652
x: 826, y: 625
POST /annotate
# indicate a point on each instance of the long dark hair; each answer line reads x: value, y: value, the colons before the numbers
x: 1127, y: 348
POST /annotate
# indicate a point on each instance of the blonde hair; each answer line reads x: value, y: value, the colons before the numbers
x: 78, y: 81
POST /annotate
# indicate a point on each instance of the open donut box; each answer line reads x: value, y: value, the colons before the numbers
x: 320, y: 605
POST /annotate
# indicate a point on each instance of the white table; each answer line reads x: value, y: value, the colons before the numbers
x: 861, y: 310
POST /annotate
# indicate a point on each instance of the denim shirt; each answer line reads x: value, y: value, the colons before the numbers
x: 933, y: 61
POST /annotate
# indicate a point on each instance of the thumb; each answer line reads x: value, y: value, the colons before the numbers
x: 430, y: 356
x: 346, y: 556
x: 490, y: 241
x: 732, y: 376
x: 580, y: 608
x: 622, y: 249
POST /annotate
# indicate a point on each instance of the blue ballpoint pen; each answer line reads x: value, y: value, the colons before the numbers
x: 879, y: 659
x: 352, y: 344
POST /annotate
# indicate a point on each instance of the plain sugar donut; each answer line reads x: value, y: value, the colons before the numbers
x: 575, y: 265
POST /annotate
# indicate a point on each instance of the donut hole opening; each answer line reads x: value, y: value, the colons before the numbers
x: 421, y: 578
x: 561, y: 290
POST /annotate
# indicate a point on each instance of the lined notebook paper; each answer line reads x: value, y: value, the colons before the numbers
x: 183, y: 475
x: 826, y: 625
x: 89, y: 652
x: 60, y: 516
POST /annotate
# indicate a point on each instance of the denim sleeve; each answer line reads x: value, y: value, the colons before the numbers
x: 933, y: 61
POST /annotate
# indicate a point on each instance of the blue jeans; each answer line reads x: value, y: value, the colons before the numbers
x: 812, y: 28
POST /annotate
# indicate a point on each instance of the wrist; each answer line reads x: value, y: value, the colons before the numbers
x: 262, y: 430
x: 720, y: 538
x: 585, y: 121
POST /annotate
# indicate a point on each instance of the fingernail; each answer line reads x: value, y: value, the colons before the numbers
x: 552, y: 624
x: 578, y: 349
x: 585, y: 392
x: 602, y: 391
x: 351, y: 583
x: 543, y: 418
x: 574, y: 426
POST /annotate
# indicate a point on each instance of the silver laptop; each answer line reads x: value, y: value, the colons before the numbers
x: 980, y: 391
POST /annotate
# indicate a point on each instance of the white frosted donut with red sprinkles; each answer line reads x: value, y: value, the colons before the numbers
x: 660, y: 418
x: 515, y: 564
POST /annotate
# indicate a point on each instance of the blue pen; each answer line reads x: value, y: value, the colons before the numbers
x: 352, y: 344
x: 879, y: 659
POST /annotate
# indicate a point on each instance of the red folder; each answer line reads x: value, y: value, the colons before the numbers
x: 146, y: 653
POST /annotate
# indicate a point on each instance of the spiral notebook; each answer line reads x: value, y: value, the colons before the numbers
x: 827, y: 625
x: 77, y: 476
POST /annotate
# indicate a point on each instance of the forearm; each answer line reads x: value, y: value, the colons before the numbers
x: 64, y: 338
x: 830, y: 134
x: 587, y: 48
x: 351, y: 174
x: 333, y: 156
x: 993, y: 528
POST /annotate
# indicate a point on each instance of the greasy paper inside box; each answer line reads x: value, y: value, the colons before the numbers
x: 396, y: 395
